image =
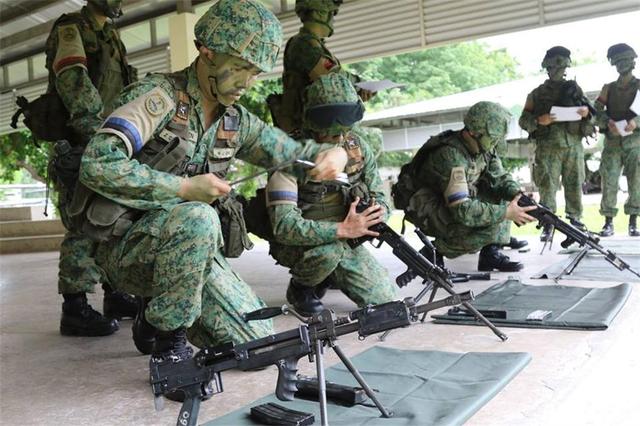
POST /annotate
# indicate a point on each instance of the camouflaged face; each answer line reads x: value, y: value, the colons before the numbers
x: 241, y: 28
x: 319, y: 5
x: 557, y: 56
x: 489, y: 119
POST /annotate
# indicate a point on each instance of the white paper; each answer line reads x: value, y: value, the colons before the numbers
x: 620, y: 125
x: 635, y: 105
x: 376, y: 86
x: 566, y: 113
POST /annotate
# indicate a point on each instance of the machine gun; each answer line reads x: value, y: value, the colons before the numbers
x: 574, y: 234
x: 199, y: 378
x: 574, y: 97
x: 433, y: 276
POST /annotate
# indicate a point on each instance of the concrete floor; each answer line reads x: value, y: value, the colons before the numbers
x: 575, y: 377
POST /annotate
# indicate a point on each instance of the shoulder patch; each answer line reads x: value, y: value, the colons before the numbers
x: 136, y: 121
x: 70, y: 51
x: 457, y: 190
x: 282, y: 188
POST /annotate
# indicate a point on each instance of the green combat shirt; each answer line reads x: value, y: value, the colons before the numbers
x: 87, y: 68
x: 460, y: 172
x: 142, y: 111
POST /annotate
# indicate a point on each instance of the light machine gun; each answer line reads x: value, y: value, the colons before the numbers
x: 585, y: 239
x: 199, y: 378
x: 433, y: 276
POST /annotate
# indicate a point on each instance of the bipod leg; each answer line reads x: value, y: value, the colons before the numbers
x: 356, y: 374
x: 322, y: 384
x: 573, y: 264
x: 550, y: 242
x: 432, y: 296
x: 476, y: 313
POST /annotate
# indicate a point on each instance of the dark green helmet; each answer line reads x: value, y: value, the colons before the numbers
x: 330, y: 6
x: 242, y: 28
x: 110, y: 8
x: 557, y: 56
x: 619, y: 52
x: 331, y: 105
x: 489, y: 121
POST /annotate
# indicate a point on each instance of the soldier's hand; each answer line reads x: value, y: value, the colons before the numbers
x: 357, y: 224
x: 546, y: 119
x: 365, y: 95
x: 205, y: 188
x: 583, y: 111
x: 631, y: 125
x: 519, y: 214
x: 611, y: 125
x: 329, y: 164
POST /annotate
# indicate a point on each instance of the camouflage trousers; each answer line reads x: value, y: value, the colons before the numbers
x: 553, y: 163
x: 174, y: 256
x: 620, y: 154
x: 355, y: 271
x: 77, y: 268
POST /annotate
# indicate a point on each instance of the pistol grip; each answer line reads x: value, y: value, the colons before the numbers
x: 287, y: 378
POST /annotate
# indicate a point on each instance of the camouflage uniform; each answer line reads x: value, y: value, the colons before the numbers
x: 461, y: 196
x: 88, y: 69
x: 620, y: 152
x: 173, y: 251
x: 559, y: 152
x: 304, y: 214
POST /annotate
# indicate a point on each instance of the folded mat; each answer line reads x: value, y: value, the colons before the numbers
x: 513, y: 304
x: 420, y: 387
x: 593, y: 267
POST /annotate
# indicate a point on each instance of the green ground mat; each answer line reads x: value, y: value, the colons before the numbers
x: 513, y: 304
x: 593, y: 267
x: 420, y: 387
x: 621, y: 247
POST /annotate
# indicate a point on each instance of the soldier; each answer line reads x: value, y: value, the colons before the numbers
x: 164, y: 151
x: 620, y: 151
x: 87, y: 69
x: 455, y: 190
x: 559, y: 152
x: 306, y: 57
x: 312, y: 221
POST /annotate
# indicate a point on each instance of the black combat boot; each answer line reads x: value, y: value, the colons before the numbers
x: 117, y: 304
x: 516, y: 244
x: 633, y: 226
x: 171, y: 346
x: 607, y: 229
x: 492, y: 259
x: 304, y: 299
x: 144, y: 334
x: 547, y: 232
x: 80, y: 319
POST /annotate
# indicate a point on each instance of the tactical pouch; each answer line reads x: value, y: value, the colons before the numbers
x: 256, y: 216
x: 403, y: 190
x: 274, y: 102
x: 234, y: 229
x: 46, y: 117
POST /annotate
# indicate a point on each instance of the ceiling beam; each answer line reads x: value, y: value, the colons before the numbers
x: 21, y: 9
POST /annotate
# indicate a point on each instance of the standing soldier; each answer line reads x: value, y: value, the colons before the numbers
x: 312, y: 221
x: 559, y: 152
x: 306, y: 57
x: 87, y: 69
x: 456, y: 190
x: 620, y: 151
x: 159, y: 162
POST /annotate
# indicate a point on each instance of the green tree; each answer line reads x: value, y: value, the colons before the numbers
x: 19, y: 151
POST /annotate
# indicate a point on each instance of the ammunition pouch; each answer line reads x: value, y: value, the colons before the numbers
x: 274, y: 102
x: 46, y: 117
x: 256, y: 215
x: 234, y: 230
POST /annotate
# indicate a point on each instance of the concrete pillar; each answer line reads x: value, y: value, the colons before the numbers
x: 182, y: 49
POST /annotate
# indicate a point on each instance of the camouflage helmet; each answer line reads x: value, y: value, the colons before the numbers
x: 489, y: 121
x: 557, y: 56
x: 331, y: 104
x: 619, y: 52
x: 110, y: 8
x: 317, y: 5
x: 242, y: 28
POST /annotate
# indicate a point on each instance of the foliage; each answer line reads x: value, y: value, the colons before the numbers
x: 436, y: 72
x: 18, y: 150
x: 395, y: 158
x: 255, y: 99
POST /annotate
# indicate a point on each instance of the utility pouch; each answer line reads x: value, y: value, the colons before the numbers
x: 256, y: 216
x: 234, y: 229
x: 46, y: 117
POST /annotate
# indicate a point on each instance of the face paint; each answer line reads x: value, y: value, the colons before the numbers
x: 625, y: 66
x: 556, y: 73
x: 227, y: 78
